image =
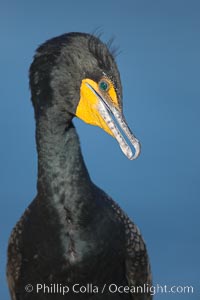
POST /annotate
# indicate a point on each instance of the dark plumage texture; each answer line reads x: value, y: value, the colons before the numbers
x: 72, y: 232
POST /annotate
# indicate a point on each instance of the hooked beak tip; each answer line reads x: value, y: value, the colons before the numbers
x: 137, y: 147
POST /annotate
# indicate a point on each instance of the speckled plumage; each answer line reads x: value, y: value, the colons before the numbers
x: 72, y: 232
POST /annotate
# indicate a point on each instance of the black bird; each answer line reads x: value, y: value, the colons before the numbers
x: 73, y: 239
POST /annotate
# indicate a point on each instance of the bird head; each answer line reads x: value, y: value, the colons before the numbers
x: 77, y: 73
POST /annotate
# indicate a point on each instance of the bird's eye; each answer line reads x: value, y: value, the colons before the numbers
x: 103, y: 85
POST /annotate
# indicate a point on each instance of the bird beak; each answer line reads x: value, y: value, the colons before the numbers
x: 117, y: 124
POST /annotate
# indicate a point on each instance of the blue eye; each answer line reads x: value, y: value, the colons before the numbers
x: 103, y: 85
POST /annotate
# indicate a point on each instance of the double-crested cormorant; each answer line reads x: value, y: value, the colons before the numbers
x: 74, y: 239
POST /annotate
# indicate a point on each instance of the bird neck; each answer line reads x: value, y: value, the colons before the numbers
x: 61, y: 168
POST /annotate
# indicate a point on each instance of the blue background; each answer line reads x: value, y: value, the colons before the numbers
x: 160, y: 71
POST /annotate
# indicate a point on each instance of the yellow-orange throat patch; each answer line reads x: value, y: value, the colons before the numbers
x: 88, y: 107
